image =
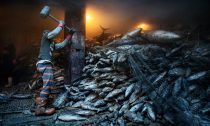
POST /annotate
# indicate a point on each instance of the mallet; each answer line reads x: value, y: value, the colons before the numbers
x: 45, y: 12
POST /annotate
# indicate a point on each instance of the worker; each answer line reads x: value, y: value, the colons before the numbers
x: 45, y: 66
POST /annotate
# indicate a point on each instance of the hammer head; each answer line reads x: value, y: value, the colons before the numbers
x: 45, y: 11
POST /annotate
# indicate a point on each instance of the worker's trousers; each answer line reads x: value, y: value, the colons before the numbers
x: 47, y: 76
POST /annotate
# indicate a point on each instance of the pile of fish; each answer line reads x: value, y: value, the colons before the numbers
x: 147, y: 84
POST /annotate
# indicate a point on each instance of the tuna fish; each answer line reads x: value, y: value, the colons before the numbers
x: 150, y: 111
x: 103, y: 70
x: 99, y: 103
x: 121, y: 122
x: 136, y: 107
x: 60, y: 100
x: 159, y: 77
x: 160, y: 36
x: 77, y: 104
x: 90, y: 97
x: 196, y: 76
x: 177, y: 86
x: 137, y: 118
x: 129, y: 90
x: 107, y: 89
x: 114, y: 93
x: 134, y: 96
x: 84, y: 112
x: 70, y: 117
x: 132, y: 34
x: 89, y: 106
x: 176, y: 72
x: 124, y: 108
x: 22, y: 96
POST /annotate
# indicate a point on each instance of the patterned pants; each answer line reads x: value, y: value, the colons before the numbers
x: 47, y: 77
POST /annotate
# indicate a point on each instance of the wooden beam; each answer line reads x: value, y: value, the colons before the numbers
x: 75, y: 17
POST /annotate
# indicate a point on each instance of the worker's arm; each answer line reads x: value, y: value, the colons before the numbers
x: 65, y: 42
x: 56, y: 31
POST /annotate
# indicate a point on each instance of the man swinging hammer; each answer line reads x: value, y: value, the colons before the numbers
x: 45, y: 66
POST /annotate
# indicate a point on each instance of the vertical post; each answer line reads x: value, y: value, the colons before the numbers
x: 75, y: 17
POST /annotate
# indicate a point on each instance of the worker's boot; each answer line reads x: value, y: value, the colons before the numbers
x: 9, y: 82
x: 41, y: 107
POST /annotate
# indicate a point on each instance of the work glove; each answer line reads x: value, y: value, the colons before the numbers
x: 72, y: 31
x: 70, y: 34
x: 61, y: 24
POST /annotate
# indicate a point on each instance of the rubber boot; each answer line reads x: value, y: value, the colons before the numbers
x: 41, y: 109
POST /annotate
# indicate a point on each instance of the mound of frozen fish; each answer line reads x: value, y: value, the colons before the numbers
x: 146, y: 84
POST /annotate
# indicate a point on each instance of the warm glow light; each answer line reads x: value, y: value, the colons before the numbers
x: 90, y: 21
x: 144, y: 26
x: 88, y: 18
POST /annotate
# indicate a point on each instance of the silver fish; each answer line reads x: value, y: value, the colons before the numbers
x: 90, y: 97
x: 161, y: 36
x: 95, y: 74
x: 197, y: 76
x: 77, y: 104
x: 100, y: 103
x: 87, y: 67
x: 131, y: 116
x: 126, y: 84
x: 103, y: 70
x: 134, y: 96
x: 112, y: 107
x: 107, y: 61
x: 88, y: 106
x: 177, y: 86
x: 124, y: 108
x: 109, y: 52
x: 129, y: 90
x: 107, y: 89
x: 121, y: 58
x: 159, y: 77
x: 90, y: 87
x: 22, y: 96
x: 60, y: 100
x: 150, y: 111
x: 103, y: 94
x: 105, y: 83
x: 121, y: 42
x: 101, y: 64
x: 114, y: 93
x: 205, y: 110
x: 117, y: 80
x: 110, y: 84
x: 70, y: 117
x: 121, y: 121
x: 120, y: 98
x: 97, y: 90
x: 85, y: 112
x: 136, y: 107
x: 132, y: 34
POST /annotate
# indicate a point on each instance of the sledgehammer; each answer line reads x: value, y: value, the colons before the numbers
x: 45, y: 12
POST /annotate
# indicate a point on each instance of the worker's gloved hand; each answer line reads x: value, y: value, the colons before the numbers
x: 72, y: 31
x: 68, y: 37
x: 70, y: 34
x: 61, y: 24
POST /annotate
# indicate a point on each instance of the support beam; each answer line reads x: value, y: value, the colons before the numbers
x: 75, y: 17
